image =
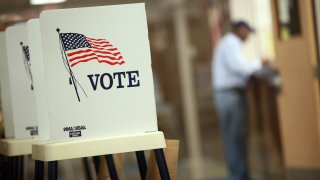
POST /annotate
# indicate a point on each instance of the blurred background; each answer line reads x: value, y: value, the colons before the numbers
x: 283, y: 120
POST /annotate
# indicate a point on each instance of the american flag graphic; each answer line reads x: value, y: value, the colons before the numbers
x: 80, y: 49
x: 27, y: 63
x: 27, y: 54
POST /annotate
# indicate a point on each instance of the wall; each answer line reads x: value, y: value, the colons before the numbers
x: 258, y: 15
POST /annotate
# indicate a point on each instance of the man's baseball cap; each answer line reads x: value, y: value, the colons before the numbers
x: 242, y: 23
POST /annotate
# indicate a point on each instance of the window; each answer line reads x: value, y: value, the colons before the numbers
x: 288, y: 19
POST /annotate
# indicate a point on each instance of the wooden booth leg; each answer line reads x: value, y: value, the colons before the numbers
x: 53, y: 170
x: 39, y: 167
x: 142, y: 163
x: 111, y: 167
x: 162, y: 164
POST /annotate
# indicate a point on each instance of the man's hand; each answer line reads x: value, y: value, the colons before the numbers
x: 269, y: 64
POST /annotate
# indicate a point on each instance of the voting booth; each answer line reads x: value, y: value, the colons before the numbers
x: 98, y: 86
x: 19, y: 110
x: 19, y: 105
x: 82, y: 86
x: 98, y: 76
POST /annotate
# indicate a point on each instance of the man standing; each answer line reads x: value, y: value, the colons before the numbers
x: 231, y: 72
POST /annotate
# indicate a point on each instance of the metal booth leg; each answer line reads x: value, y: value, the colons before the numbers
x: 141, y: 158
x: 53, y: 170
x: 162, y: 164
x: 96, y: 162
x: 39, y: 167
x: 20, y: 167
x: 111, y: 167
x: 87, y: 168
x: 13, y: 165
x: 3, y: 167
x: 10, y: 168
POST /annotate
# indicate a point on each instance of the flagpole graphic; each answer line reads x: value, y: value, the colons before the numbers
x: 65, y: 59
x: 26, y: 61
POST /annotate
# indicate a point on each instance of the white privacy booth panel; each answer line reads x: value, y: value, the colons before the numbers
x: 5, y: 88
x: 20, y: 80
x: 98, y: 75
x: 35, y: 48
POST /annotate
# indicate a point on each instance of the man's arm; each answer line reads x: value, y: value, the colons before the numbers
x: 239, y: 64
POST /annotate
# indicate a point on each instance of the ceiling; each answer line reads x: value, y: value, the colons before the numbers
x: 17, y: 6
x: 155, y: 8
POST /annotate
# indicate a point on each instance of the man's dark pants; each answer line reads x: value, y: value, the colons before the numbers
x: 231, y: 107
